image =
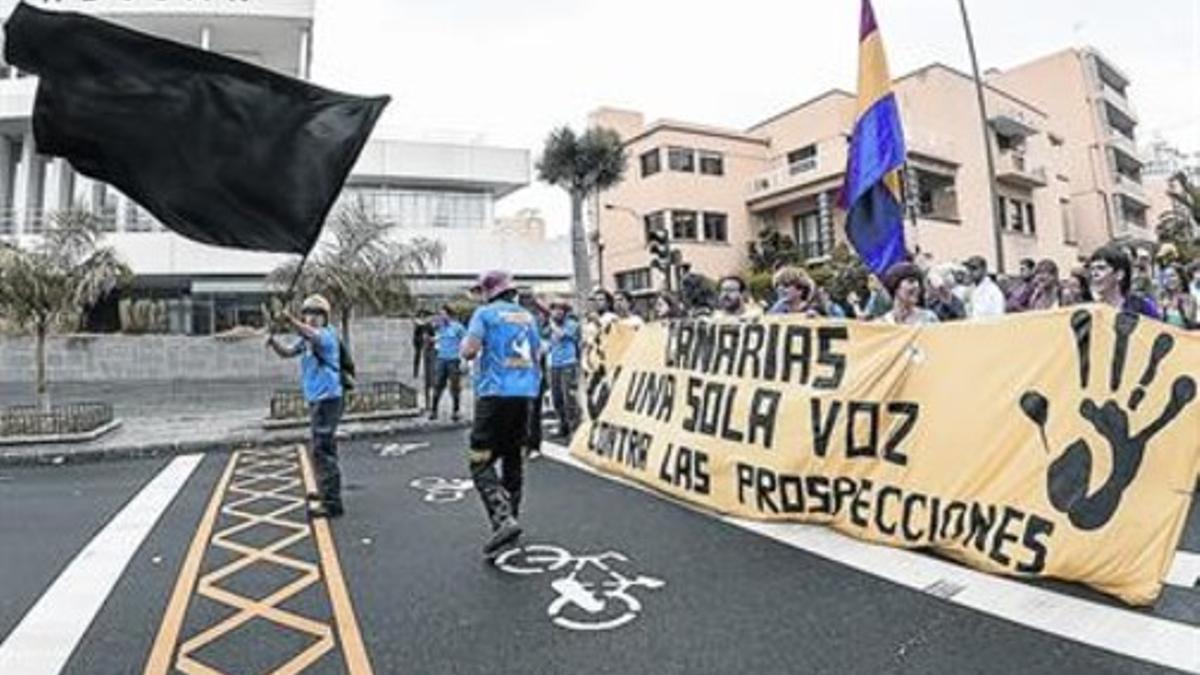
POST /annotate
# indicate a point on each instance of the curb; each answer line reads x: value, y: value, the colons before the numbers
x: 352, y: 432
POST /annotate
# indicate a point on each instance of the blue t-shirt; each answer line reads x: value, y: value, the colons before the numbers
x: 564, y: 346
x: 449, y: 339
x: 320, y: 378
x: 508, y: 361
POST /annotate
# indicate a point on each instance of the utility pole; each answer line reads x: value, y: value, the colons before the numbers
x: 997, y: 234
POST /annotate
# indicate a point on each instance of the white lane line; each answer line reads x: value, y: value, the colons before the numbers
x: 49, y: 632
x: 1115, y: 629
x: 1185, y: 570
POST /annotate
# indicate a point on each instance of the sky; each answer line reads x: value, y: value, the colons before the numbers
x: 505, y: 72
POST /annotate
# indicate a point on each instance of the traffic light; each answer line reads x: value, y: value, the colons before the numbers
x: 660, y: 249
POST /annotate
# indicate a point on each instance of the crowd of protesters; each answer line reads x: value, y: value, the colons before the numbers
x: 909, y: 293
x: 913, y: 293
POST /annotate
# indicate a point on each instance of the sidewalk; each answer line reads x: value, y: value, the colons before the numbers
x: 168, y: 418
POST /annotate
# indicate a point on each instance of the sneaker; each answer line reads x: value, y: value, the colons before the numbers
x: 325, y: 511
x: 504, y: 535
x: 433, y: 417
x: 455, y: 417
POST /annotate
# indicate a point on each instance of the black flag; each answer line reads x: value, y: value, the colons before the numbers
x: 219, y: 150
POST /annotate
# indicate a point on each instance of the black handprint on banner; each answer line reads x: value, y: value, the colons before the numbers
x: 598, y: 378
x: 1069, y: 475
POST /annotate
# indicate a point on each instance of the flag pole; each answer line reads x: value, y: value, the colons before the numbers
x: 997, y: 235
x: 288, y: 293
x: 906, y: 187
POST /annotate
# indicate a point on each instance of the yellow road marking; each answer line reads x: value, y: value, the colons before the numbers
x: 168, y: 633
x: 355, y: 653
x: 271, y: 476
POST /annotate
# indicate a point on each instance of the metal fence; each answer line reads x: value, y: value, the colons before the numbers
x: 73, y: 418
x: 375, y: 397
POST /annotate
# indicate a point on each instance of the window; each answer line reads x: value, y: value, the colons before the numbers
x: 712, y: 163
x: 681, y: 159
x: 937, y: 197
x: 716, y: 227
x: 804, y: 159
x: 653, y: 221
x: 1064, y: 207
x: 651, y: 162
x: 1017, y: 215
x: 683, y: 225
x: 633, y: 280
x: 813, y: 238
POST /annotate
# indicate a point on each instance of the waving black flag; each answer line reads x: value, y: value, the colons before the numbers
x: 219, y: 150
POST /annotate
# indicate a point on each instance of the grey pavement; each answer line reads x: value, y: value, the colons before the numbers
x: 165, y: 418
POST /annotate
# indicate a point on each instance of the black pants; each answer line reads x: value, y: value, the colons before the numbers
x: 497, y: 437
x: 564, y: 391
x: 448, y: 371
x: 325, y: 416
x: 429, y: 363
x: 418, y: 354
x: 533, y: 435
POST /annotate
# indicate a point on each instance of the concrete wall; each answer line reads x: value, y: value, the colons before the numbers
x: 381, y: 348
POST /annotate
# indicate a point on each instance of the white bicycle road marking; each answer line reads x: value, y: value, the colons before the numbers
x: 401, y: 449
x: 606, y: 604
x: 440, y: 490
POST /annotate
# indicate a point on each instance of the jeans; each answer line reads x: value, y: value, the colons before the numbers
x: 325, y: 417
x: 448, y: 370
x: 564, y: 391
x: 497, y: 437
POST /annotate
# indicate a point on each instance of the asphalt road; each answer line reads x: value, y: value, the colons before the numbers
x: 610, y: 579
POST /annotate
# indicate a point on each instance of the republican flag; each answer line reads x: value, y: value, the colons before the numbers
x: 219, y: 150
x: 871, y: 193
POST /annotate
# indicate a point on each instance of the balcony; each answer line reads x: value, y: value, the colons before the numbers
x: 1012, y: 169
x: 1122, y: 143
x: 830, y: 161
x: 1117, y: 101
x: 1131, y: 188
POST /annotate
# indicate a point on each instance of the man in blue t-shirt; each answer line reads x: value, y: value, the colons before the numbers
x: 504, y: 338
x: 563, y: 333
x: 321, y: 382
x: 447, y: 341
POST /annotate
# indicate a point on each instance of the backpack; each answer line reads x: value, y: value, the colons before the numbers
x: 346, y: 368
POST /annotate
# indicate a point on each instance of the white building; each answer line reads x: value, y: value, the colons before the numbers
x: 433, y: 190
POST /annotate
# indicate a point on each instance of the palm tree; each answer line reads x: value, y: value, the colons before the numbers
x: 582, y: 165
x: 361, y: 266
x: 1179, y: 225
x: 50, y: 284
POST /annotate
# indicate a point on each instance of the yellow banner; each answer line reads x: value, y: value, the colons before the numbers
x: 1056, y: 444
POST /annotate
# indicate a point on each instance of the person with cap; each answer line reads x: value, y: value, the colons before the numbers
x: 906, y: 284
x: 503, y: 336
x: 986, y: 298
x: 321, y: 382
x: 564, y: 335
